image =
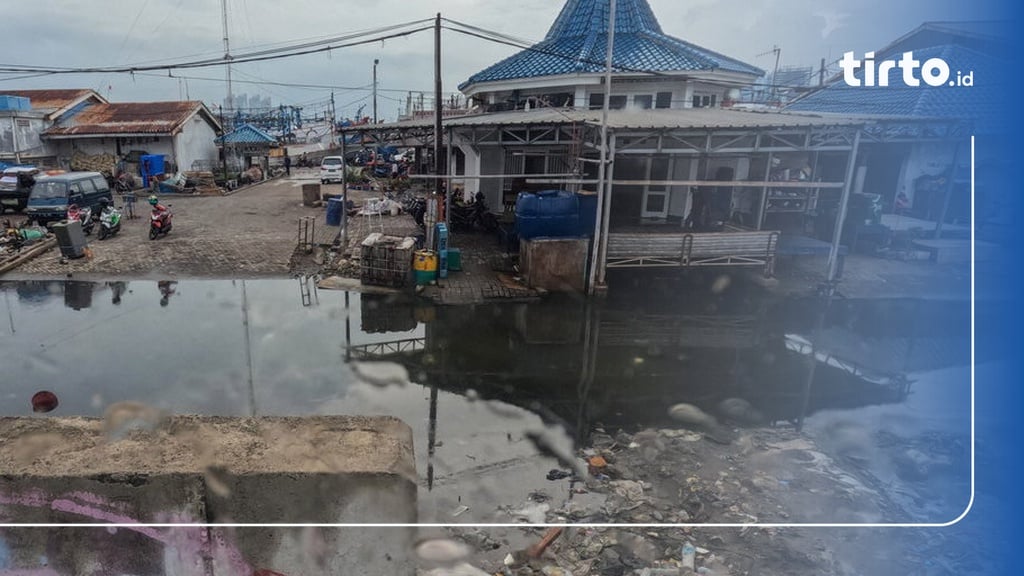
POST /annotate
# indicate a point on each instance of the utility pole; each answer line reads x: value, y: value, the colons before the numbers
x: 223, y: 145
x: 231, y: 98
x: 438, y: 135
x: 821, y: 73
x: 334, y: 119
x: 375, y: 62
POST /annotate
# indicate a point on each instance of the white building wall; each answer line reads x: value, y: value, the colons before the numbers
x: 195, y: 142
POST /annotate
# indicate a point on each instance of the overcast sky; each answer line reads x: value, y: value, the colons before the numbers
x: 108, y: 32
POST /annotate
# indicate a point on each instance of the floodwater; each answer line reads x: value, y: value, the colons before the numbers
x: 487, y: 378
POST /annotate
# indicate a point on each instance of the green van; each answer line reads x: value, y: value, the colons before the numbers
x: 51, y: 195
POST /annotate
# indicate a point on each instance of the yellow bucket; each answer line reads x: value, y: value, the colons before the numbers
x: 425, y: 261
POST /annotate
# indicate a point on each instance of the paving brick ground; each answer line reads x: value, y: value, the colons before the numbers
x: 252, y: 233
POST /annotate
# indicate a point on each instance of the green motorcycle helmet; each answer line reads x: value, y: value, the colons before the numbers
x: 153, y: 200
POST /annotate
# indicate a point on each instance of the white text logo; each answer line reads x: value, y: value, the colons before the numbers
x: 933, y: 72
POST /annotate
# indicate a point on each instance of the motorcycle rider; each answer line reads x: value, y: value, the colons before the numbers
x: 157, y: 206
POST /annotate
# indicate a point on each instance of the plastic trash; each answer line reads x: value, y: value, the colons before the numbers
x: 689, y: 554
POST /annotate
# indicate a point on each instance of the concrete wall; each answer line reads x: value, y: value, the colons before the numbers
x: 207, y: 470
x: 555, y: 264
x: 196, y: 141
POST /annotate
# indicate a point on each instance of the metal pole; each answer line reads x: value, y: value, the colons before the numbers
x: 438, y: 136
x: 344, y: 196
x: 844, y: 200
x: 375, y: 62
x: 223, y: 145
x: 451, y: 172
x: 948, y: 192
x: 764, y: 192
x: 602, y: 166
x: 606, y: 217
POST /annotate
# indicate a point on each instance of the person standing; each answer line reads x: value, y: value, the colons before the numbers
x: 287, y: 164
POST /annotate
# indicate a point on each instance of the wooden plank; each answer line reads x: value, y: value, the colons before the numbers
x: 26, y: 255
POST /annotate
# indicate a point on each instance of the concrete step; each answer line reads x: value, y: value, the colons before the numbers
x: 207, y: 470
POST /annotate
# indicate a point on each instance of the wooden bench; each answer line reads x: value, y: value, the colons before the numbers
x: 741, y: 248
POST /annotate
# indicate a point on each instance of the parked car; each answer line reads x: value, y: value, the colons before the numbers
x: 50, y: 196
x: 15, y: 185
x: 332, y: 168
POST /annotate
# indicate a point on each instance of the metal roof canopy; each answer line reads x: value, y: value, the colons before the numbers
x: 687, y: 131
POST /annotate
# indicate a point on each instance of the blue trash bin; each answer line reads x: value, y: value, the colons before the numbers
x: 335, y: 209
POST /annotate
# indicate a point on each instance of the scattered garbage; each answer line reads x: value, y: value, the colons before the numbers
x: 689, y: 555
x: 557, y: 474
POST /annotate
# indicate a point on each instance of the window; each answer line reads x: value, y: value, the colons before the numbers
x: 704, y: 100
x: 663, y: 100
x: 86, y: 186
x: 643, y: 101
x: 596, y: 101
x: 617, y: 102
x: 533, y: 164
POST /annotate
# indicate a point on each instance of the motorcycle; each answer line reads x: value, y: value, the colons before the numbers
x: 159, y: 222
x: 110, y: 222
x: 83, y: 215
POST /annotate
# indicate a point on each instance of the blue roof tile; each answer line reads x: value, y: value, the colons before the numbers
x: 577, y: 43
x: 247, y: 134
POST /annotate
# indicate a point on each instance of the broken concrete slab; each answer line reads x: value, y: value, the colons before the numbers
x: 209, y: 470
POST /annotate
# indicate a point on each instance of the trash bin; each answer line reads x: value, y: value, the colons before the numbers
x: 424, y: 266
x: 70, y: 238
x: 335, y: 210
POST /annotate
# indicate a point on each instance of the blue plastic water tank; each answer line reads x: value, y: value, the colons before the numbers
x: 334, y: 210
x: 150, y: 165
x: 551, y: 213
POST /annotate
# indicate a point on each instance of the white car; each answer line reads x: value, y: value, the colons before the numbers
x: 332, y: 168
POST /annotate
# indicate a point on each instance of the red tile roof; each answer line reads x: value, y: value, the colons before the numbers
x: 130, y: 118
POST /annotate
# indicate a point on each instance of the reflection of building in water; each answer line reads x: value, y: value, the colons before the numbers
x: 381, y: 314
x: 78, y: 295
x: 586, y: 365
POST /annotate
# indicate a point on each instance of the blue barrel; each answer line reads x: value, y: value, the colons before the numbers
x: 335, y: 208
x: 551, y: 213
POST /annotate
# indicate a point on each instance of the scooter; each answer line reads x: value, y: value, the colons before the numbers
x: 110, y: 222
x: 159, y: 222
x: 83, y: 215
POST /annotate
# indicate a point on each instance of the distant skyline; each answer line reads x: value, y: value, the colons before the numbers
x: 78, y: 35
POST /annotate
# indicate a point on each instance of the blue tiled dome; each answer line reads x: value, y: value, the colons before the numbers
x: 577, y: 43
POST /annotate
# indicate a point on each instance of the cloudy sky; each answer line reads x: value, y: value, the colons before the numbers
x: 79, y: 33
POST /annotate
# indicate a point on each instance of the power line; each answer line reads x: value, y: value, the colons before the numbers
x: 256, y: 56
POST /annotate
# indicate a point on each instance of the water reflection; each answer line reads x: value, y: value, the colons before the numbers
x: 485, y: 379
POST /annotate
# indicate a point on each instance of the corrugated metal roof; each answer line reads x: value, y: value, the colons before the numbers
x: 577, y: 43
x: 52, y: 100
x: 130, y: 118
x: 696, y: 118
x: 979, y: 103
x: 247, y: 134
